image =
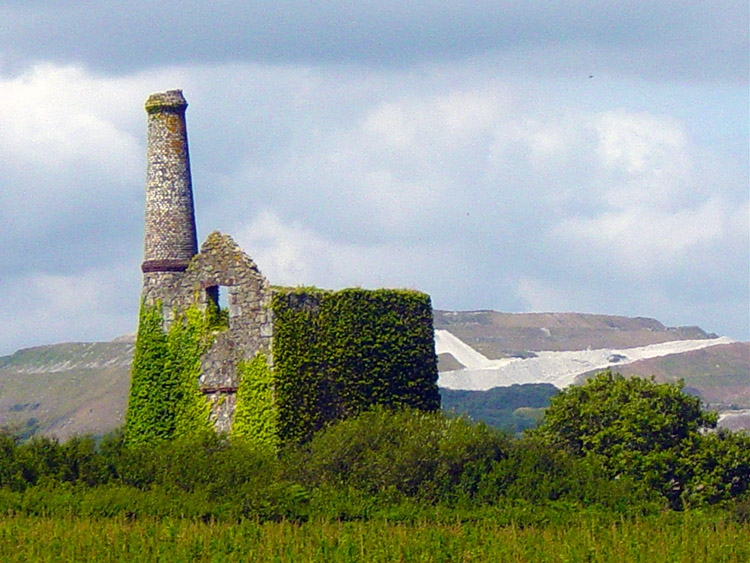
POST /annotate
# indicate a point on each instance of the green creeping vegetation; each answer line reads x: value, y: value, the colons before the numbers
x: 338, y: 353
x: 335, y: 354
x: 165, y: 401
x: 255, y: 414
x: 188, y: 341
x: 216, y: 317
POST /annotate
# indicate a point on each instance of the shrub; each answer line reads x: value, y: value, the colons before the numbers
x: 402, y: 453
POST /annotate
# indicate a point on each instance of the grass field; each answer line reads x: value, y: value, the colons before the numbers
x: 668, y: 537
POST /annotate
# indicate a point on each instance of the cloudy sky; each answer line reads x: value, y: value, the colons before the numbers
x: 561, y: 155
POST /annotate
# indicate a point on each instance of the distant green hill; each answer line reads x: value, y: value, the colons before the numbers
x: 513, y: 408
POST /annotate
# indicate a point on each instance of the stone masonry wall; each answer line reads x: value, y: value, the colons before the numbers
x: 220, y: 264
x: 170, y: 239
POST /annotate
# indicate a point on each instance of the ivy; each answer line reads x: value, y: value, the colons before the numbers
x: 255, y: 415
x: 164, y: 400
x: 188, y: 339
x: 339, y: 353
x: 216, y: 317
x: 149, y: 417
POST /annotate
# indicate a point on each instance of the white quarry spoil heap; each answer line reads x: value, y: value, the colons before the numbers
x: 558, y: 368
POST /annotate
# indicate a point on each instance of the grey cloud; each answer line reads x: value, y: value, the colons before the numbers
x: 87, y: 305
x: 693, y: 40
x: 494, y: 201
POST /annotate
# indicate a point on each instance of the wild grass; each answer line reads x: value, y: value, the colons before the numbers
x: 667, y: 537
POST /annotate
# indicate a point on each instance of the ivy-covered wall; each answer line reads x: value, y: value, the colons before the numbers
x: 337, y: 353
x: 334, y: 355
x: 165, y: 401
x: 255, y: 414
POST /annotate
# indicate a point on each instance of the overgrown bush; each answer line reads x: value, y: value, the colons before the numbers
x: 43, y: 460
x: 410, y: 453
x: 434, y: 458
x: 535, y: 473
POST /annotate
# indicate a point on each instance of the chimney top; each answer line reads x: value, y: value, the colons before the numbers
x: 171, y: 100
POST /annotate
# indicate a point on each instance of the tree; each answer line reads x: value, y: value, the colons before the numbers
x: 637, y: 426
x: 716, y: 466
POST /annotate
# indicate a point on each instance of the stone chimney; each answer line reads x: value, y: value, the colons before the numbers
x: 171, y: 239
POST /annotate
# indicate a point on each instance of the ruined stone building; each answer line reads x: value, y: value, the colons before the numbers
x: 304, y: 391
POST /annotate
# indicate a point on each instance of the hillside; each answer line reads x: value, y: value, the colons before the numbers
x: 719, y: 372
x: 558, y: 368
x: 482, y: 350
x: 78, y: 388
x: 66, y: 389
x: 503, y: 335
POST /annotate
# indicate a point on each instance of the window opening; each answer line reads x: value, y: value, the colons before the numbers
x: 223, y: 300
x: 217, y: 306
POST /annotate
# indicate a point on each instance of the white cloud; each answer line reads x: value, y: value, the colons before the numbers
x: 55, y: 116
x: 286, y: 252
x: 646, y: 158
x: 289, y: 253
x: 518, y: 201
x: 68, y: 149
x: 647, y: 240
x: 650, y: 209
x: 540, y: 296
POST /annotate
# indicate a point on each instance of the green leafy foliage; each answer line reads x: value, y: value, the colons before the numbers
x: 42, y: 461
x: 537, y: 474
x: 715, y: 468
x: 407, y: 452
x: 188, y: 339
x: 150, y: 414
x: 338, y: 353
x: 403, y: 465
x: 255, y: 415
x: 439, y: 459
x: 652, y: 432
x: 216, y: 317
x: 164, y: 400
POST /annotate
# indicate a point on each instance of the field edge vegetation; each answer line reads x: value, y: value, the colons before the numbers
x: 615, y: 454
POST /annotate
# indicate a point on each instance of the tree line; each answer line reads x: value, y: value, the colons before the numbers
x: 614, y: 444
